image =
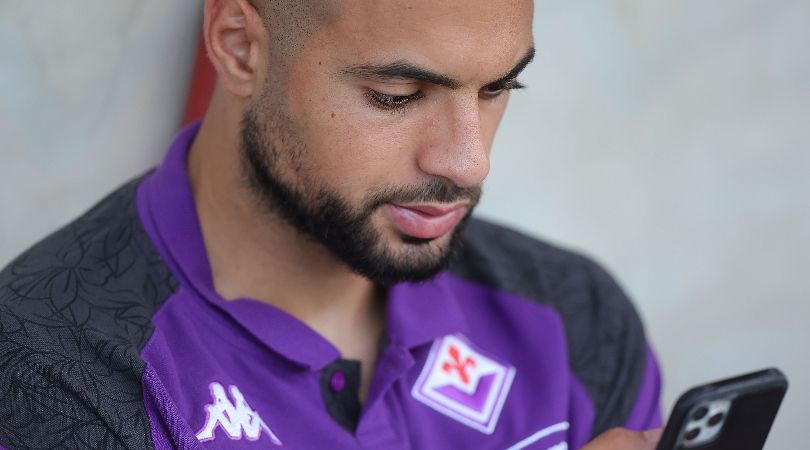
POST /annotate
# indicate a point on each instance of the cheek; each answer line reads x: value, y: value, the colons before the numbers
x: 361, y: 155
x: 350, y: 146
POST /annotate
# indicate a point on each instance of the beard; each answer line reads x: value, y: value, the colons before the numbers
x: 326, y: 217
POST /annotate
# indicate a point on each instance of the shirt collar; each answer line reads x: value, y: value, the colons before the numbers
x: 417, y: 313
x: 167, y: 204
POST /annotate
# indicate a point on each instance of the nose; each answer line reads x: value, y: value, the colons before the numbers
x: 455, y: 147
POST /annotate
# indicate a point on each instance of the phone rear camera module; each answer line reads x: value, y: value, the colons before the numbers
x: 705, y: 423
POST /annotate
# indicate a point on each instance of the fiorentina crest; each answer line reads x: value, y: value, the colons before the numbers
x: 459, y: 381
x: 237, y: 419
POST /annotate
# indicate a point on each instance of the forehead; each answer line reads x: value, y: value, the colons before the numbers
x: 480, y: 35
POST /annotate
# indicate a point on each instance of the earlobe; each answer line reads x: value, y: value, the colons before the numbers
x: 232, y: 38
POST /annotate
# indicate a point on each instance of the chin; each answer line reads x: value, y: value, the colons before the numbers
x: 414, y: 259
x: 394, y: 257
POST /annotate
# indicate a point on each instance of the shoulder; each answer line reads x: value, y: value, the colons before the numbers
x: 605, y: 337
x: 508, y: 259
x: 74, y: 311
x: 99, y: 272
x: 515, y: 262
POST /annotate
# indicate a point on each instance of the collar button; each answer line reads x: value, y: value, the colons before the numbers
x: 337, y: 382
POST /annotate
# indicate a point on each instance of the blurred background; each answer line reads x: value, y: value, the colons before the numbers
x: 669, y: 140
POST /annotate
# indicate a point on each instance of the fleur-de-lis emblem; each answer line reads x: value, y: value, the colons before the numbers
x: 458, y: 365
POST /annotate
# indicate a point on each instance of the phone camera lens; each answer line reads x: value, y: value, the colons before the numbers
x: 692, y: 434
x: 715, y: 419
x: 700, y: 413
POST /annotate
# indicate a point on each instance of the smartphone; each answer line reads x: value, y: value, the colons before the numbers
x: 732, y: 414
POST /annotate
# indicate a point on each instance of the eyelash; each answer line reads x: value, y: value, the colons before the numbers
x: 399, y: 102
x: 505, y: 87
x: 391, y: 102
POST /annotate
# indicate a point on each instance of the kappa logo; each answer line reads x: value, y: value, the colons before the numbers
x: 236, y: 418
x: 463, y: 383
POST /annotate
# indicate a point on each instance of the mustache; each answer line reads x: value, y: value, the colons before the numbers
x: 434, y: 191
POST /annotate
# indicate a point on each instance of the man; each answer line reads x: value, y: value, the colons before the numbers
x: 302, y: 270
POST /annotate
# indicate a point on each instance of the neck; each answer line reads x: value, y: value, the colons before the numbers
x: 256, y: 255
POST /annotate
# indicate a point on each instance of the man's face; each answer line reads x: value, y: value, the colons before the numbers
x: 374, y: 137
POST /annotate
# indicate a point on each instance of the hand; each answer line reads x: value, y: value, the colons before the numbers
x: 621, y: 439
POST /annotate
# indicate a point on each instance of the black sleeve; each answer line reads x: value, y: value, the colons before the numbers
x: 75, y: 310
x: 53, y: 399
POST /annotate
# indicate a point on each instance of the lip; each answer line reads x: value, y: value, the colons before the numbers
x: 426, y: 220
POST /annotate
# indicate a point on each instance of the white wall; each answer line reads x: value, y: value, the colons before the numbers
x: 671, y: 140
x: 668, y: 139
x: 90, y: 92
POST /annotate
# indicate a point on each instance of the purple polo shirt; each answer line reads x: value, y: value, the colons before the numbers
x: 517, y: 344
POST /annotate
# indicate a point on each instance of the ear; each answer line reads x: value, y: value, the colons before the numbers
x: 235, y: 38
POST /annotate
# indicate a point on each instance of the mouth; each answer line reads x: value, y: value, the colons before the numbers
x: 426, y: 220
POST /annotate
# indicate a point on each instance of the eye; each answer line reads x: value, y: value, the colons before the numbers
x: 391, y: 102
x: 493, y: 91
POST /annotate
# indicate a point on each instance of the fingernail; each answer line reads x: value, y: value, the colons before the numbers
x: 653, y: 435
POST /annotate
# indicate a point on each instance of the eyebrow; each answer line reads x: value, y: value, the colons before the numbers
x: 405, y: 70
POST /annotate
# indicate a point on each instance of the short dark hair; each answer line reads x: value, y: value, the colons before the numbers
x: 292, y: 22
